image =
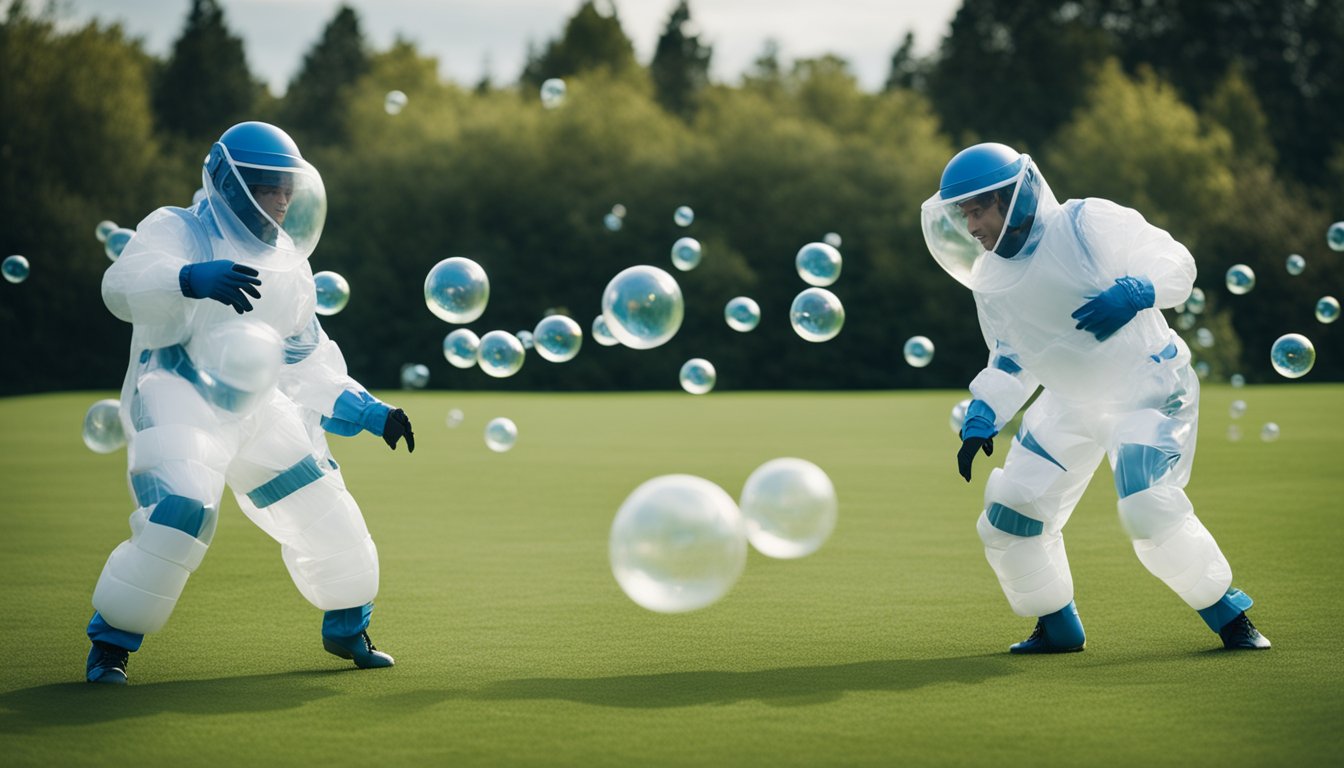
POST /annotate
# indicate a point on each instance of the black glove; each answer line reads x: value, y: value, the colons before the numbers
x: 966, y: 455
x: 221, y: 280
x: 395, y: 427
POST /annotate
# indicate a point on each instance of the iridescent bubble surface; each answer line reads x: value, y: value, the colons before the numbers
x: 683, y: 216
x: 817, y: 315
x: 1295, y: 264
x: 742, y: 314
x: 459, y: 347
x: 918, y: 351
x: 678, y: 543
x: 104, y: 229
x: 501, y: 434
x: 414, y: 376
x: 500, y: 354
x: 15, y: 268
x: 1240, y: 279
x: 557, y: 338
x: 1327, y: 309
x: 602, y: 334
x: 643, y: 307
x: 697, y: 376
x: 553, y: 92
x: 1292, y: 355
x: 686, y: 254
x: 790, y: 508
x: 333, y: 293
x: 457, y: 290
x: 394, y: 102
x: 103, y: 432
x: 832, y: 239
x: 1270, y: 432
x: 612, y: 222
x: 1334, y: 236
x: 1196, y: 302
x: 818, y: 264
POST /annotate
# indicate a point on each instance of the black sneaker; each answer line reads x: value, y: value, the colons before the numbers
x: 106, y: 664
x: 359, y: 648
x: 1241, y: 634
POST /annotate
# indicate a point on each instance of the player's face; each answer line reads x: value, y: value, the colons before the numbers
x: 274, y: 200
x: 983, y: 220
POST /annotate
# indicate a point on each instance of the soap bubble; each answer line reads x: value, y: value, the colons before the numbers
x: 686, y: 254
x: 790, y: 508
x: 454, y: 419
x: 1237, y: 409
x: 457, y: 290
x: 102, y: 427
x: 1185, y: 321
x: 500, y: 354
x: 678, y: 543
x: 683, y: 216
x: 333, y: 293
x: 1240, y: 279
x: 553, y: 93
x: 15, y: 268
x: 832, y: 239
x: 817, y: 315
x: 818, y: 264
x: 558, y: 338
x: 1233, y: 432
x: 1295, y: 264
x: 1202, y: 369
x: 116, y: 242
x: 1237, y: 380
x: 1327, y: 309
x: 525, y: 338
x: 742, y: 314
x: 1270, y: 432
x: 459, y: 347
x: 414, y: 376
x: 698, y: 376
x: 643, y: 307
x: 1204, y: 338
x: 959, y: 415
x: 918, y: 351
x: 500, y: 434
x: 612, y: 222
x: 1292, y: 355
x: 394, y: 102
x: 1334, y: 236
x: 104, y: 229
x: 1195, y: 303
x: 619, y: 210
x: 602, y: 334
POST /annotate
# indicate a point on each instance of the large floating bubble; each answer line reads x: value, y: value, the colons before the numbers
x: 457, y: 290
x: 1240, y: 279
x: 1327, y: 309
x: 686, y: 254
x: 1204, y: 338
x: 602, y: 334
x: 818, y: 264
x: 742, y: 314
x: 459, y: 347
x: 918, y: 351
x: 15, y: 268
x: 1292, y: 355
x: 394, y: 102
x: 1295, y: 264
x: 1334, y: 236
x: 414, y: 376
x: 959, y: 415
x: 102, y: 427
x: 500, y: 354
x: 790, y: 508
x: 1270, y: 432
x: 500, y: 434
x: 104, y: 229
x: 683, y: 216
x: 1196, y: 302
x: 678, y: 543
x: 1237, y: 409
x: 557, y: 338
x: 698, y: 376
x: 832, y: 239
x: 553, y: 93
x: 643, y: 307
x: 817, y: 315
x: 333, y: 293
x: 116, y: 242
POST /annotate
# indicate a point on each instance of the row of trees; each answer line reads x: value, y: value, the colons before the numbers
x: 95, y: 128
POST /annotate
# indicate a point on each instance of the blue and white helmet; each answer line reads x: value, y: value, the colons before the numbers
x: 268, y: 202
x: 992, y: 177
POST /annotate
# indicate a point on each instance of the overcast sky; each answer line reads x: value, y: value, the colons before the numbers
x: 466, y: 34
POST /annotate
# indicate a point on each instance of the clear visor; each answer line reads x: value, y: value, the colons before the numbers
x: 959, y: 230
x: 273, y: 215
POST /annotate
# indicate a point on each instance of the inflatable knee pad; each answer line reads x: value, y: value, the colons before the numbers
x: 1154, y: 513
x: 335, y: 581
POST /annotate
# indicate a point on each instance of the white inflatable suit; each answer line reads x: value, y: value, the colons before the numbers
x: 216, y: 397
x: 1131, y: 397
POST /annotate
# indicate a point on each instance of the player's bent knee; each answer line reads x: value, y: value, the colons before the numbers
x: 335, y: 581
x: 1154, y: 513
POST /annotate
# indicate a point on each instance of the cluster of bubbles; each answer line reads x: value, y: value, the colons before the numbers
x: 394, y: 102
x: 333, y: 293
x: 15, y: 268
x: 501, y: 434
x: 414, y: 376
x: 698, y: 376
x: 553, y: 93
x: 686, y: 254
x: 918, y: 351
x: 103, y: 432
x: 679, y: 542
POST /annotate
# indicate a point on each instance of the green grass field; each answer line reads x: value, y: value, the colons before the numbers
x: 515, y: 646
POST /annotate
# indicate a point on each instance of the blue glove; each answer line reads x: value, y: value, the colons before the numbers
x: 1108, y: 311
x: 360, y: 410
x: 222, y: 280
x: 977, y: 433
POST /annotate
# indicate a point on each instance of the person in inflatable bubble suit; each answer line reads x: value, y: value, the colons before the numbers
x: 233, y: 381
x: 1069, y: 298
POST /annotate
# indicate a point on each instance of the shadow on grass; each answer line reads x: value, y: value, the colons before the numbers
x: 79, y: 703
x: 789, y: 686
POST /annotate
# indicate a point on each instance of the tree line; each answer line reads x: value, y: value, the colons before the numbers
x: 1213, y: 119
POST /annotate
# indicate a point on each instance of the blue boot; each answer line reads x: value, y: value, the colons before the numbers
x: 106, y: 664
x: 1058, y: 632
x: 358, y: 647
